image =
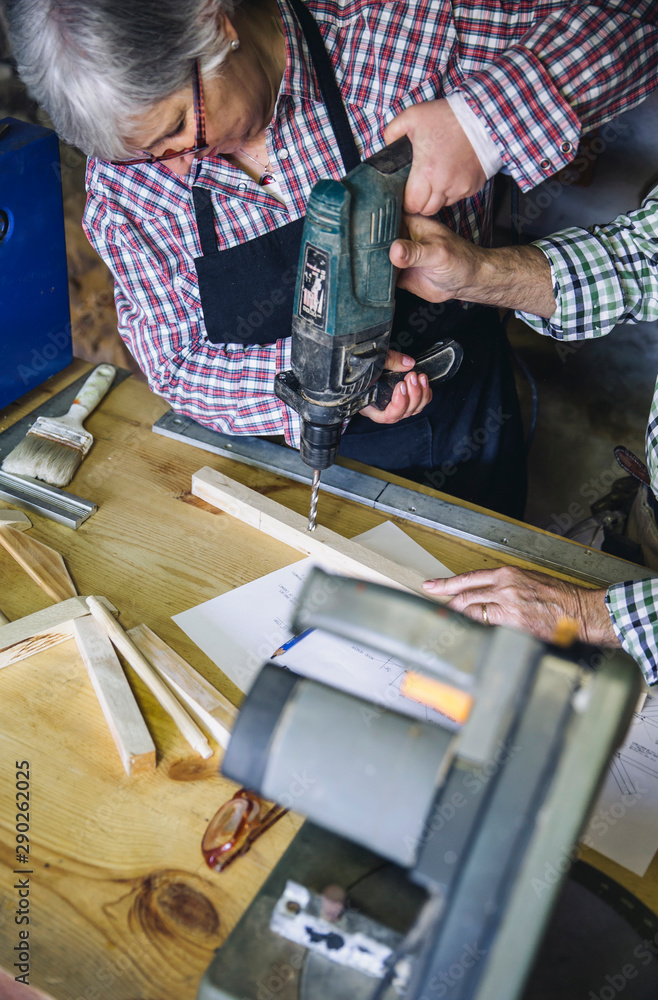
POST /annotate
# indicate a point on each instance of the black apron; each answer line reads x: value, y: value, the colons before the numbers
x: 468, y: 441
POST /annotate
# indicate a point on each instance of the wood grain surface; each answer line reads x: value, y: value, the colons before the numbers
x: 332, y: 550
x: 123, y: 906
x: 41, y: 563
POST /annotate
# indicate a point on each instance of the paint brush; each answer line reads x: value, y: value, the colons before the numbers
x: 53, y: 447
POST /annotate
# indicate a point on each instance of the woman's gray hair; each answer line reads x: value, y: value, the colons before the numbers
x: 96, y: 65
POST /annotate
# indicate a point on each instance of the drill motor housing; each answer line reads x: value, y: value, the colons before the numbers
x: 344, y: 299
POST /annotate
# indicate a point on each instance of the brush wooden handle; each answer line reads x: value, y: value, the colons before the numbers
x: 145, y: 671
x: 91, y: 393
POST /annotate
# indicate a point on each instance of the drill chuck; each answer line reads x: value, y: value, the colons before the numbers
x: 318, y: 446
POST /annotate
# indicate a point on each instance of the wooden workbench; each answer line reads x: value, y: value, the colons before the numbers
x: 122, y: 905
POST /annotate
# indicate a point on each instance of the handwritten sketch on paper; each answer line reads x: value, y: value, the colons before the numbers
x: 240, y: 630
x: 624, y: 823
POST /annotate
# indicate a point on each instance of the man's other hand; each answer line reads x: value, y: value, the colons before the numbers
x: 434, y: 262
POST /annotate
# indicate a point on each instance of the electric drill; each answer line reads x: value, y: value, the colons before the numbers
x: 344, y: 304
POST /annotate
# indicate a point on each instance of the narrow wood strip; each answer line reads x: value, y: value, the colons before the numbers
x: 206, y: 703
x: 330, y: 549
x: 145, y: 671
x: 41, y: 630
x: 43, y: 564
x: 121, y: 711
x: 14, y: 519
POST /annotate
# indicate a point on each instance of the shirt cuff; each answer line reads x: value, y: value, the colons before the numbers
x: 476, y: 132
x: 633, y: 610
x: 531, y: 123
x: 588, y: 293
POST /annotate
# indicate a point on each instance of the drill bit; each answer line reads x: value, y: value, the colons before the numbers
x: 315, y: 489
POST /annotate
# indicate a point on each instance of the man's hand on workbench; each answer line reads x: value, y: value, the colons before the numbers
x: 409, y: 397
x: 445, y: 166
x: 530, y: 601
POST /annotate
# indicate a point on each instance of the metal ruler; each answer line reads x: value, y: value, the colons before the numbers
x: 487, y: 530
x: 31, y: 494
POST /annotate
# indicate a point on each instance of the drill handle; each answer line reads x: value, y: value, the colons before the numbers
x: 439, y: 363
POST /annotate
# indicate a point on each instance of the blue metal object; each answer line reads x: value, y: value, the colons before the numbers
x: 35, y: 323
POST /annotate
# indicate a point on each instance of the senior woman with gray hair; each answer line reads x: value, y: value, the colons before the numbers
x: 208, y: 123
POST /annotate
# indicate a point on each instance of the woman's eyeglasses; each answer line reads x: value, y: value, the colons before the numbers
x: 200, y: 145
x: 235, y: 826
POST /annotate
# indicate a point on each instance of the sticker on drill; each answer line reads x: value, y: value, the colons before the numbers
x: 315, y: 276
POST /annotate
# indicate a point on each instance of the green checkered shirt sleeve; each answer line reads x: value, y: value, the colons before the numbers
x: 633, y: 610
x: 603, y: 276
x: 633, y: 606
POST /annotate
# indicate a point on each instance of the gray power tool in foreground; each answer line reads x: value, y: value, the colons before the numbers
x: 450, y: 843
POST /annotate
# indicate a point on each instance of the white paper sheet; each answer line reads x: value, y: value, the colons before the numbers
x: 624, y: 823
x: 240, y: 630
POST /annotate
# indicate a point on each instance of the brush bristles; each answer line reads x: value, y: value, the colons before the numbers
x: 40, y: 458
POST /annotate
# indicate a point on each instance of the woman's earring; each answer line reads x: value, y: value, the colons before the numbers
x: 234, y: 45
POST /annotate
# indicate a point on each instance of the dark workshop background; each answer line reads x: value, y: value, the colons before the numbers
x: 591, y: 397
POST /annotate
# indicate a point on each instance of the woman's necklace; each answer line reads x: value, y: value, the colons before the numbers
x: 266, y: 177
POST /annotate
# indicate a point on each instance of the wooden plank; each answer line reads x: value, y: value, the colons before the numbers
x: 329, y: 548
x: 43, y: 564
x: 121, y: 711
x: 147, y: 674
x: 206, y: 703
x: 34, y: 633
x: 14, y: 519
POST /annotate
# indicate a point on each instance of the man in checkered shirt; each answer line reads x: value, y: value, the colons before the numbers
x: 477, y: 85
x: 574, y: 285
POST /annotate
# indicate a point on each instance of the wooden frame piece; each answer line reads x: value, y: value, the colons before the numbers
x: 44, y: 565
x: 160, y: 691
x: 215, y: 712
x: 330, y: 549
x: 121, y: 711
x: 34, y: 633
x: 14, y: 519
